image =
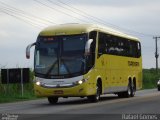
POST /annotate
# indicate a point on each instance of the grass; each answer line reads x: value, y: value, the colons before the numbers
x: 14, y: 98
x: 150, y: 78
x: 12, y: 92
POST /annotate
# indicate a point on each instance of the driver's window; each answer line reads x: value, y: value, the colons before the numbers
x: 91, y: 57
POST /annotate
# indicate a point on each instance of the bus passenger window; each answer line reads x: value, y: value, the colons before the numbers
x: 139, y: 49
x: 101, y: 44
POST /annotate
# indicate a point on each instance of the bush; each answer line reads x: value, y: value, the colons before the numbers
x: 150, y: 78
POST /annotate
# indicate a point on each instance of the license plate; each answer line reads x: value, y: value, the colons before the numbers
x: 58, y: 92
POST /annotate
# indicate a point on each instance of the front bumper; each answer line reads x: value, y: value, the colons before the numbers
x: 85, y: 89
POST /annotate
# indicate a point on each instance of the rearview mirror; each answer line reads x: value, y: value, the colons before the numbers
x: 88, y: 45
x: 28, y: 50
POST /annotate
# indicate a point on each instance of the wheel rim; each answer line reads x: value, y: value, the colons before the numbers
x: 134, y: 90
x: 98, y: 93
x: 129, y: 90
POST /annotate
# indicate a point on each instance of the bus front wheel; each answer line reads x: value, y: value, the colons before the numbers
x: 96, y: 97
x: 52, y: 100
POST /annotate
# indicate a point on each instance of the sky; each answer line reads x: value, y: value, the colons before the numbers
x: 22, y: 20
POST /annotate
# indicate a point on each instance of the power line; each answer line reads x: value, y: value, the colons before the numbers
x: 106, y: 23
x: 22, y: 16
x: 26, y: 14
x: 83, y: 14
x: 50, y: 17
x: 43, y: 22
x: 93, y: 18
x: 21, y: 19
x: 69, y: 9
x: 42, y: 3
x: 31, y: 19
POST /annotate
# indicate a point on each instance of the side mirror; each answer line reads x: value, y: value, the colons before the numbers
x: 28, y: 50
x: 88, y: 45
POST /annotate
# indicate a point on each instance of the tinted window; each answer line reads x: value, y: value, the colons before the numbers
x: 73, y: 43
x: 109, y: 44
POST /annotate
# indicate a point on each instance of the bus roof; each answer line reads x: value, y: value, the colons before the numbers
x: 75, y: 28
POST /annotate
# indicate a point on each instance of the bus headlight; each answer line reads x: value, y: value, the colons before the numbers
x: 81, y: 81
x: 38, y: 83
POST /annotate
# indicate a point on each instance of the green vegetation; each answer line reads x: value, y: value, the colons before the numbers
x: 150, y: 78
x: 12, y: 92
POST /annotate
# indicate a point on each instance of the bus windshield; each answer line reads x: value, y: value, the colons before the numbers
x: 60, y: 56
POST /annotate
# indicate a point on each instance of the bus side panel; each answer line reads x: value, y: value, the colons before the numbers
x: 115, y: 72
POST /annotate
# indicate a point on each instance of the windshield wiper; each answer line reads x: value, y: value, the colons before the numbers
x: 66, y: 66
x: 51, y: 68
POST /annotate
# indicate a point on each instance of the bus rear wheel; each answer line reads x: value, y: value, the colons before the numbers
x: 133, y: 89
x: 96, y: 97
x: 129, y: 93
x: 52, y: 100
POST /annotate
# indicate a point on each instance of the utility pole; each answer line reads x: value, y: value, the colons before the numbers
x: 156, y: 53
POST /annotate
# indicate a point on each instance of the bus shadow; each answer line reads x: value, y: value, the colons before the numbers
x: 84, y: 100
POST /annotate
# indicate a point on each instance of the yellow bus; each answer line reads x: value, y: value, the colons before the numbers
x: 85, y: 60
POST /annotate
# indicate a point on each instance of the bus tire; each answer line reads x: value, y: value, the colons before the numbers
x: 52, y: 100
x: 129, y: 92
x: 133, y: 89
x: 126, y: 94
x: 96, y: 97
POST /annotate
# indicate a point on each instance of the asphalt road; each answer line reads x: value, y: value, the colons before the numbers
x: 110, y: 106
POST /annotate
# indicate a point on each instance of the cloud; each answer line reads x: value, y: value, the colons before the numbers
x: 111, y: 3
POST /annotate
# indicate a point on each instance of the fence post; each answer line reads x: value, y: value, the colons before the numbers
x: 22, y: 88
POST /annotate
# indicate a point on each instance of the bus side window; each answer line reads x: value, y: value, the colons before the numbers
x: 139, y: 49
x: 92, y: 35
x: 114, y: 46
x: 108, y: 42
x: 126, y: 48
x: 134, y: 49
x: 101, y: 44
x: 120, y: 47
